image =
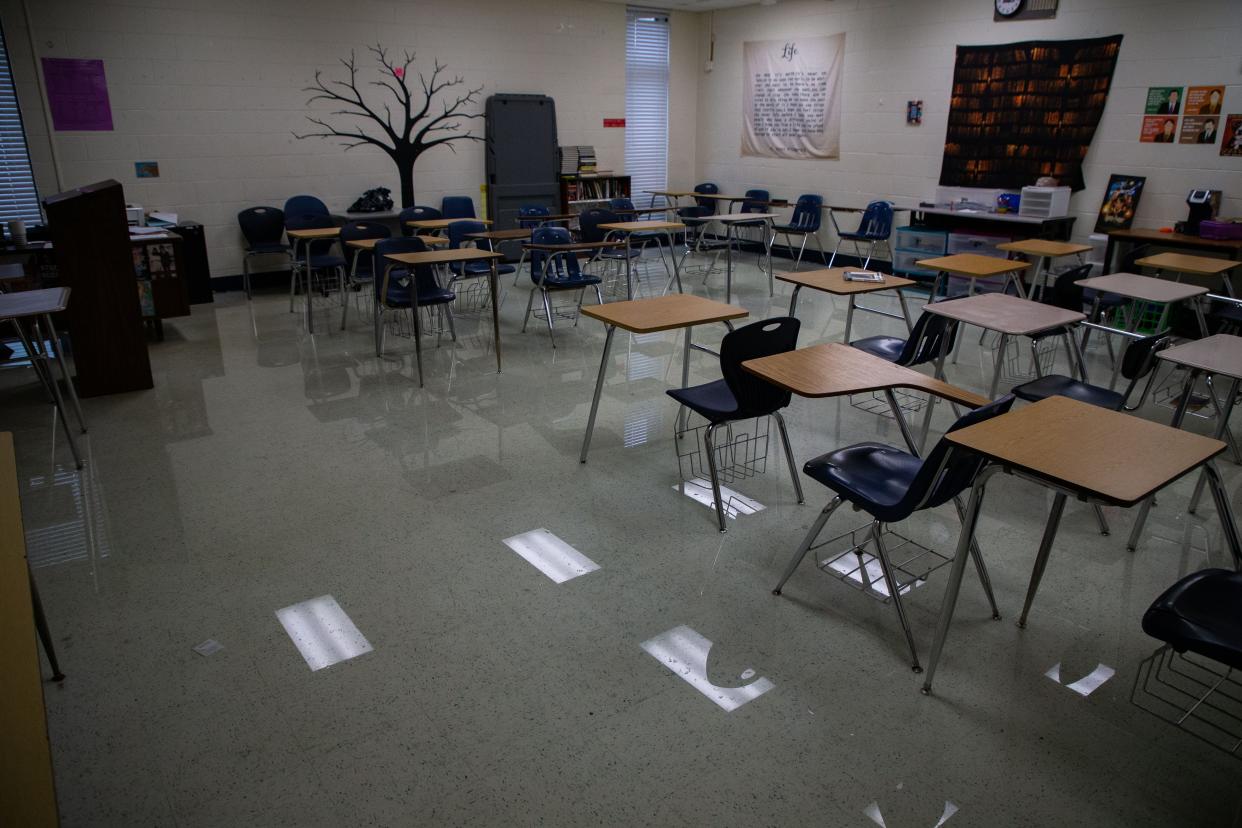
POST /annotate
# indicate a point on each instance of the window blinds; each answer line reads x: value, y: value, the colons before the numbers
x: 646, y: 100
x: 18, y: 197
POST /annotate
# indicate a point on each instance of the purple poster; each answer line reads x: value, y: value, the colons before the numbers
x: 77, y: 94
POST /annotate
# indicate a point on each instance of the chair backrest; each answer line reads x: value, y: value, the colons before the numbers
x: 928, y: 339
x: 620, y: 204
x: 710, y: 189
x: 808, y: 212
x: 877, y: 220
x: 423, y: 274
x: 559, y: 266
x: 360, y: 230
x: 532, y: 215
x: 417, y: 213
x: 262, y: 225
x: 948, y: 470
x: 458, y: 230
x: 310, y: 221
x: 1140, y: 358
x: 590, y: 220
x: 1066, y: 293
x: 305, y: 205
x: 756, y: 397
x: 756, y: 201
x: 457, y: 207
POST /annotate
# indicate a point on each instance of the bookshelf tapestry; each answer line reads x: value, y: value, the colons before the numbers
x: 1020, y: 111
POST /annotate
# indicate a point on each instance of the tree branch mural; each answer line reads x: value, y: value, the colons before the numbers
x: 408, y: 126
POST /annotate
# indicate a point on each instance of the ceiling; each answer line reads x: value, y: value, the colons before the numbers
x: 687, y: 5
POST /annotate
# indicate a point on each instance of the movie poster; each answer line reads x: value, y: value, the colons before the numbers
x: 1231, y: 141
x: 1121, y: 199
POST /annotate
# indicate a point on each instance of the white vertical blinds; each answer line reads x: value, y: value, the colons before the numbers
x: 646, y: 101
x: 18, y: 197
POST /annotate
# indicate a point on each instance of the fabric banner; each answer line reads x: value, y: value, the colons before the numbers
x: 791, y: 97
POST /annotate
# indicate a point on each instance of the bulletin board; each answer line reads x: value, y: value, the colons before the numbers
x: 1025, y: 110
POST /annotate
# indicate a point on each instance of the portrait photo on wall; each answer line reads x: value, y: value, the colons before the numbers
x: 1121, y: 199
x: 1163, y: 100
x: 1158, y: 129
x: 1199, y: 129
x: 1204, y: 100
x: 1231, y: 136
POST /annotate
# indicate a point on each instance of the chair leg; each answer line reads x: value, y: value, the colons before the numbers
x: 835, y: 250
x: 805, y: 546
x: 418, y: 338
x: 895, y: 593
x: 448, y: 316
x: 246, y: 275
x: 801, y: 250
x: 977, y: 556
x: 294, y: 275
x: 789, y: 458
x: 711, y: 467
x: 530, y: 301
x: 547, y: 309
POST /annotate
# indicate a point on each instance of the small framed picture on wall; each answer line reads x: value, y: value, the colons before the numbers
x: 1121, y: 199
x: 914, y: 113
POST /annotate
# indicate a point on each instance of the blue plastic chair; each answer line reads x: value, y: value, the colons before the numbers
x: 890, y: 484
x: 876, y: 227
x: 321, y: 257
x: 555, y: 272
x: 531, y: 216
x: 740, y: 395
x: 264, y: 231
x: 694, y: 216
x: 457, y: 232
x: 805, y: 222
x: 305, y: 205
x: 1200, y: 614
x: 417, y: 213
x: 922, y: 346
x: 359, y: 264
x: 396, y: 289
x: 457, y: 207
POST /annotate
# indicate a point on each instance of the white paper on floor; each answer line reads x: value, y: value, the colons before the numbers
x: 209, y: 647
x: 1089, y: 683
x: 872, y: 812
x: 684, y: 652
x: 322, y: 632
x: 735, y: 503
x: 551, y: 555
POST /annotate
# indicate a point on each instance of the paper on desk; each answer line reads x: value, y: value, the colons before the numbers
x: 171, y: 218
x: 146, y: 231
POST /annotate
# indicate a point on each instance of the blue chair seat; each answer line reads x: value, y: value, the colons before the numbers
x: 1200, y: 614
x: 873, y: 475
x: 885, y: 347
x: 1056, y: 385
x: 325, y: 261
x: 399, y: 294
x: 792, y: 228
x: 471, y: 269
x: 268, y: 247
x: 580, y: 280
x: 851, y: 235
x: 713, y: 401
x: 621, y: 253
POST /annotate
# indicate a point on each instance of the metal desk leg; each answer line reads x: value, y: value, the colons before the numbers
x: 954, y: 586
x: 772, y: 276
x: 1178, y: 415
x: 728, y: 262
x: 1000, y: 362
x: 310, y: 292
x: 43, y: 369
x: 494, y: 282
x: 683, y: 413
x: 45, y: 633
x: 1224, y: 509
x: 905, y: 311
x: 64, y: 370
x: 629, y: 282
x: 1222, y: 429
x: 793, y: 300
x: 849, y: 319
x: 418, y: 334
x: 599, y: 386
x: 931, y: 398
x: 1045, y: 548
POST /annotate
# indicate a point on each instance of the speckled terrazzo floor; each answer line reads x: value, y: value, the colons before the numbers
x: 268, y: 467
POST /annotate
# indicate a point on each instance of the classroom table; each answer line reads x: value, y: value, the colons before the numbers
x: 1042, y: 252
x: 1180, y: 263
x: 435, y: 258
x: 629, y: 228
x: 38, y: 306
x: 1009, y: 316
x: 1217, y: 356
x: 1230, y: 247
x: 307, y: 236
x: 661, y: 313
x: 971, y: 266
x: 442, y: 223
x: 730, y: 222
x: 1082, y: 450
x: 832, y: 280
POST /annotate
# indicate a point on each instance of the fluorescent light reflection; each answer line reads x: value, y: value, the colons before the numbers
x: 1086, y: 685
x: 551, y: 555
x: 735, y: 503
x: 322, y: 632
x: 847, y: 566
x: 641, y: 421
x: 684, y: 652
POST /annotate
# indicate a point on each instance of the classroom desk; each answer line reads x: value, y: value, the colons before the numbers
x: 27, y: 789
x: 1058, y: 227
x: 1082, y: 450
x: 832, y: 280
x: 1216, y: 356
x: 730, y: 222
x: 1230, y: 247
x: 1008, y: 316
x: 662, y: 313
x: 628, y: 228
x: 440, y: 257
x: 38, y: 306
x: 442, y: 223
x: 1042, y: 252
x: 307, y: 237
x: 369, y: 244
x: 971, y: 266
x: 1180, y: 263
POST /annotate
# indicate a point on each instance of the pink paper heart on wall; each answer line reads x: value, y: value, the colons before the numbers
x: 399, y: 72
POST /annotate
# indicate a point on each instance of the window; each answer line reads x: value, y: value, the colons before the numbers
x: 646, y: 100
x: 18, y: 197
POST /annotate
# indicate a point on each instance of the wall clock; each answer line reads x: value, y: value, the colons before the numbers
x: 1008, y: 8
x: 1024, y: 9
